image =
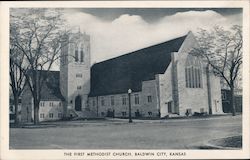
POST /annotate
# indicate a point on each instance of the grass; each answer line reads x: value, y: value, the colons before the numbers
x: 233, y: 142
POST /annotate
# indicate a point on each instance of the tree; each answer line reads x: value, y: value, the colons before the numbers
x: 17, y: 71
x: 222, y: 49
x: 38, y: 37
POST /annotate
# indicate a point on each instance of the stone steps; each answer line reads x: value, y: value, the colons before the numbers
x: 84, y: 114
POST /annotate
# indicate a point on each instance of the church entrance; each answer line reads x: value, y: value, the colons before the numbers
x: 78, y: 103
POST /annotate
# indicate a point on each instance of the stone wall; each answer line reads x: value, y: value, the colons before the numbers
x: 150, y: 88
x: 26, y: 106
x: 75, y: 76
x: 195, y: 99
x: 165, y: 90
x: 145, y: 108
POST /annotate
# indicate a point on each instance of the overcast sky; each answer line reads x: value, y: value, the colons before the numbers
x: 121, y: 30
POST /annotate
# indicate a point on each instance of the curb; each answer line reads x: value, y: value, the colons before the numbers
x: 38, y: 126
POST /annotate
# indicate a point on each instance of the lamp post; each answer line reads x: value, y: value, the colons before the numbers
x: 129, y: 105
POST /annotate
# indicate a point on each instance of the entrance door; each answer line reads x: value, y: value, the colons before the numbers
x: 78, y: 103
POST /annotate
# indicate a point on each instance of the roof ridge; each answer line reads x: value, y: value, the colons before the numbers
x: 160, y: 43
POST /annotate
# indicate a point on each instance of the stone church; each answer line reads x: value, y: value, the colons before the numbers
x: 165, y: 79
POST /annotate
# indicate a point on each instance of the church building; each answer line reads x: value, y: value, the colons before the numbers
x: 165, y: 79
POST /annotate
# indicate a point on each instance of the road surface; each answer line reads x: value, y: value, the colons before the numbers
x: 115, y: 134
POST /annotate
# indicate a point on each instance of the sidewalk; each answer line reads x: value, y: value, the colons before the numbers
x: 118, y: 121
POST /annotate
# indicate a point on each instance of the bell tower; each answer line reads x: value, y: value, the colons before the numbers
x: 75, y: 72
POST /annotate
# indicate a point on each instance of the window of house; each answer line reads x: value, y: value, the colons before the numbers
x: 82, y: 55
x: 124, y: 100
x: 59, y: 115
x: 137, y: 101
x: 193, y: 72
x: 41, y: 115
x: 60, y: 104
x: 112, y: 100
x: 149, y: 99
x: 124, y: 114
x: 51, y: 104
x: 41, y: 103
x: 51, y: 115
x: 79, y: 75
x: 93, y: 102
x: 102, y: 101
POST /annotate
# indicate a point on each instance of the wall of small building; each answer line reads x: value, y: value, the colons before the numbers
x: 50, y: 110
x: 46, y: 107
x: 26, y: 106
x: 150, y: 88
x: 12, y: 112
x: 147, y: 106
x: 102, y: 104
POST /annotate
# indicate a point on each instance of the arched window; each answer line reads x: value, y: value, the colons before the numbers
x: 193, y: 72
x: 82, y: 55
x: 76, y: 55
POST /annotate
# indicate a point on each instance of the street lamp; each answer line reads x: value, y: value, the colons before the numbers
x: 129, y: 104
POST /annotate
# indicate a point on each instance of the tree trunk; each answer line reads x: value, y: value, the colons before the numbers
x: 16, y: 109
x: 232, y: 101
x: 209, y: 90
x: 36, y: 112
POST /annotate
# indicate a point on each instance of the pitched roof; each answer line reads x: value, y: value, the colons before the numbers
x: 51, y: 89
x: 118, y: 74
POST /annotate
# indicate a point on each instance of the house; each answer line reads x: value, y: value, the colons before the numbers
x: 165, y: 79
x: 50, y: 108
x: 12, y: 113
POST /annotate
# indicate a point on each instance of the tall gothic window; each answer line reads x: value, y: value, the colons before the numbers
x: 82, y: 55
x: 76, y: 55
x: 193, y: 72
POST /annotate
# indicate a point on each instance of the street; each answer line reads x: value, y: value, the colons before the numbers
x: 115, y: 134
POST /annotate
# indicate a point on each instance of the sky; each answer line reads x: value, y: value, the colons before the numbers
x: 117, y: 31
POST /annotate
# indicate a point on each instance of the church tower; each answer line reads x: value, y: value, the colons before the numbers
x: 75, y: 73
